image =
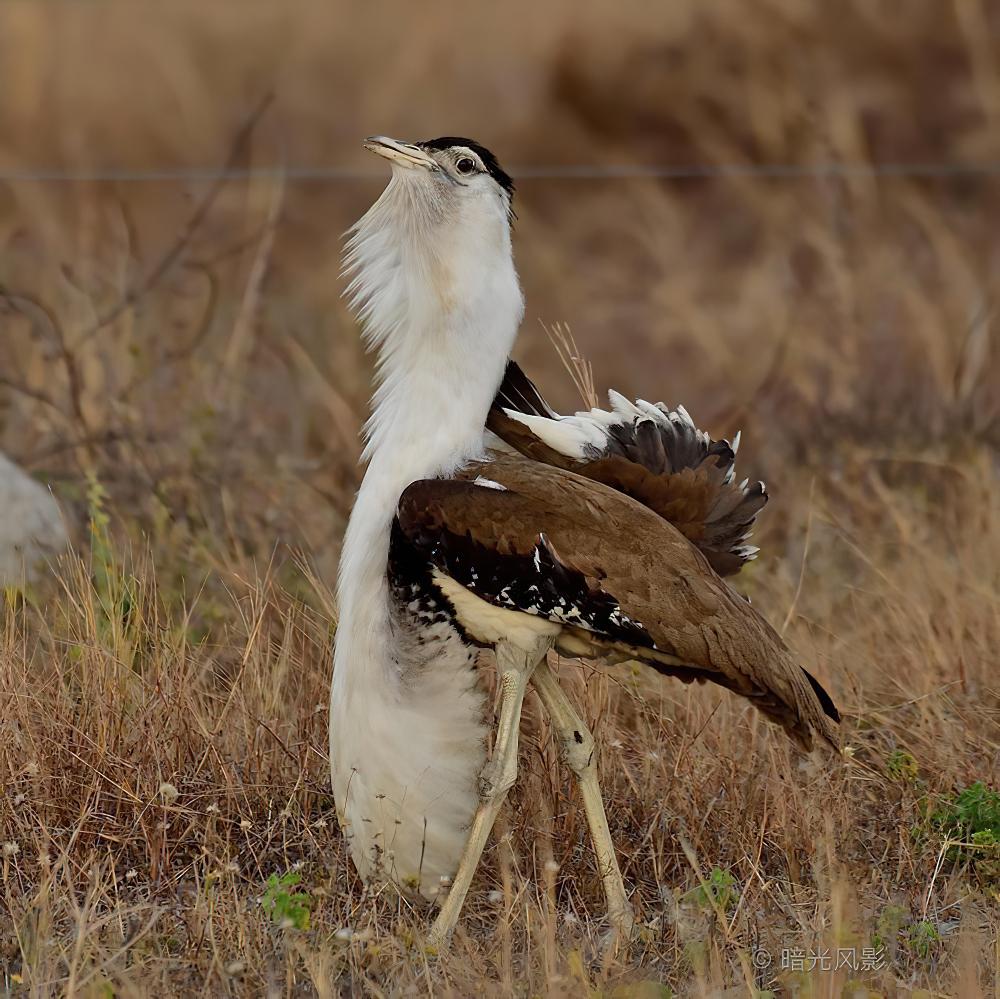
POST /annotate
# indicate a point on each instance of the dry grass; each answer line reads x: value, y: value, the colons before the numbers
x: 193, y: 390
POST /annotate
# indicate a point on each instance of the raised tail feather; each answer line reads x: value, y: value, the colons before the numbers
x: 649, y: 452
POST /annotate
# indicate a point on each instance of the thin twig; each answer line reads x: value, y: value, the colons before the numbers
x: 43, y: 318
x: 37, y: 394
x: 573, y: 361
x: 243, y: 327
x: 805, y: 558
x: 101, y: 439
x: 194, y: 222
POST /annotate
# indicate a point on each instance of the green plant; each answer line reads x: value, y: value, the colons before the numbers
x: 891, y: 921
x: 900, y: 765
x: 114, y: 586
x: 975, y: 809
x: 970, y: 820
x: 717, y: 891
x: 98, y: 520
x: 287, y: 909
x: 922, y: 938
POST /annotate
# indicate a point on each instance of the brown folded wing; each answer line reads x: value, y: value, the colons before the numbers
x: 618, y: 577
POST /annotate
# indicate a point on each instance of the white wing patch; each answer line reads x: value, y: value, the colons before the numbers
x: 489, y: 484
x: 573, y: 436
x: 581, y: 435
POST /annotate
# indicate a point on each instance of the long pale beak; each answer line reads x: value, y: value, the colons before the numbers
x: 403, y: 153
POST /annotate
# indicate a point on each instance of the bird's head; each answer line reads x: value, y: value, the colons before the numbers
x: 456, y: 180
x: 437, y: 242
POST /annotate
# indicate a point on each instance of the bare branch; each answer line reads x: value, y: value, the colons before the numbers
x: 197, y: 217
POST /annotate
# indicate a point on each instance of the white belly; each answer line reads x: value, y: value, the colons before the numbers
x: 407, y: 749
x: 407, y: 744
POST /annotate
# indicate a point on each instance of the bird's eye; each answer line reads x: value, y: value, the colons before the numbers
x: 466, y: 165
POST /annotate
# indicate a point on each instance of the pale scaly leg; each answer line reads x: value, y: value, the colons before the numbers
x: 578, y: 751
x: 515, y: 667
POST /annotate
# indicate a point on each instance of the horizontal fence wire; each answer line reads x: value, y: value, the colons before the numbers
x: 767, y: 171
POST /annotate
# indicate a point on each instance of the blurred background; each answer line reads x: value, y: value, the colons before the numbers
x: 784, y: 218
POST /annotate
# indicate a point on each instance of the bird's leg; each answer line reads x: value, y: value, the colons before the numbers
x: 578, y: 752
x: 515, y: 667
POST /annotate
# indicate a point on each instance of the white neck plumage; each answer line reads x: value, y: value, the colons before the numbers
x: 440, y: 303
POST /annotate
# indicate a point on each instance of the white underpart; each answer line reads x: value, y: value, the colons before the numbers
x: 440, y: 302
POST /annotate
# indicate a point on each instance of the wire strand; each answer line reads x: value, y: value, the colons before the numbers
x: 583, y: 171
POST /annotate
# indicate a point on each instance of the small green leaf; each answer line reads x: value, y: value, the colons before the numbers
x: 900, y: 765
x: 288, y: 910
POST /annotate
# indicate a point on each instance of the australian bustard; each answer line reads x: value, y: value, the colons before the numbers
x: 602, y: 535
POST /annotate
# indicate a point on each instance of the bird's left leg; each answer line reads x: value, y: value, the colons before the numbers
x: 515, y: 667
x: 578, y: 752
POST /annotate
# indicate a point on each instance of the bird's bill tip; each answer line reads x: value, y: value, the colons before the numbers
x: 403, y: 153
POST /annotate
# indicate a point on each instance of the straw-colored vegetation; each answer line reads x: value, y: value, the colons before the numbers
x: 175, y: 360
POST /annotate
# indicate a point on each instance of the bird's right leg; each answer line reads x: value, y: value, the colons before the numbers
x: 515, y: 667
x: 578, y: 751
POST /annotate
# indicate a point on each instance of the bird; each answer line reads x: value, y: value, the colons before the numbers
x: 489, y: 525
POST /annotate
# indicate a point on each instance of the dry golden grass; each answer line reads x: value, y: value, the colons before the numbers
x: 175, y: 359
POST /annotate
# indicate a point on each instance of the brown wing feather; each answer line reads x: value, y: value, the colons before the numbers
x: 671, y: 609
x: 660, y: 459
